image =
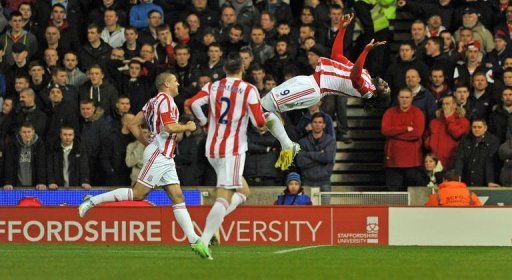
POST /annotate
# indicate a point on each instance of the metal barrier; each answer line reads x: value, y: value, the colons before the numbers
x: 363, y: 198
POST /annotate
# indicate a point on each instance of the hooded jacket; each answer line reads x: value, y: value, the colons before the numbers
x: 89, y: 55
x: 26, y: 38
x: 13, y: 152
x: 104, y: 96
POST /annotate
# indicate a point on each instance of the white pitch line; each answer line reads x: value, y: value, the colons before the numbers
x: 299, y: 249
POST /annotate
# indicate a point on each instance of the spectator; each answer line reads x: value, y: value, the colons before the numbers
x: 227, y: 20
x: 68, y: 31
x: 446, y: 130
x: 25, y: 160
x: 316, y: 159
x: 6, y: 120
x: 434, y: 56
x: 68, y: 165
x: 419, y: 37
x: 471, y: 65
x: 29, y: 112
x: 16, y: 34
x: 453, y: 192
x: 438, y: 85
x: 279, y: 9
x: 331, y: 30
x: 247, y: 15
x: 247, y: 59
x: 76, y: 77
x: 482, y: 93
x: 423, y: 99
x: 149, y: 35
x: 259, y: 48
x: 51, y: 59
x: 98, y: 90
x: 496, y: 58
x: 469, y: 105
x: 425, y: 9
x: 60, y: 112
x: 505, y: 154
x: 136, y: 87
x: 164, y: 49
x: 304, y: 125
x: 476, y: 156
x: 19, y: 55
x: 135, y: 156
x: 257, y: 76
x: 38, y: 81
x: 54, y: 40
x: 131, y: 46
x: 140, y: 13
x: 207, y: 17
x: 403, y: 125
x: 96, y: 14
x: 293, y: 194
x: 113, y: 33
x: 184, y: 74
x: 113, y: 148
x: 268, y: 24
x: 95, y: 51
x: 406, y: 60
x: 269, y: 83
x: 449, y: 46
x: 234, y: 41
x: 214, y: 66
x: 195, y: 26
x: 182, y: 34
x: 500, y: 115
x: 503, y: 26
x: 94, y: 129
x: 70, y: 92
x: 280, y: 61
x: 434, y: 26
x: 432, y: 166
x: 480, y: 33
x: 190, y: 163
x: 262, y: 154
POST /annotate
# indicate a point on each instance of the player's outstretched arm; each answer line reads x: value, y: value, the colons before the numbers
x: 337, y: 47
x: 357, y: 70
x: 178, y: 128
x: 134, y: 127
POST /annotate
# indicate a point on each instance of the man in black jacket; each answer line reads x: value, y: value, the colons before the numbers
x: 25, y: 160
x: 28, y: 112
x: 68, y: 164
x: 95, y: 51
x: 100, y: 91
x: 262, y: 153
x: 60, y: 113
x: 476, y: 156
x: 316, y: 159
x: 94, y: 129
x: 501, y: 114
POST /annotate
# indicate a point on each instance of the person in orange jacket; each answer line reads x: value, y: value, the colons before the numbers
x: 453, y: 192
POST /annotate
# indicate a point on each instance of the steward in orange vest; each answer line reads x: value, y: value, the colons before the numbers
x: 452, y: 192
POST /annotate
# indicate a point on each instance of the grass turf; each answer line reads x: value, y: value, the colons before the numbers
x: 42, y: 261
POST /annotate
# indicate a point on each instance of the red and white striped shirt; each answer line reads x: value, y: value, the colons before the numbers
x: 159, y: 111
x: 335, y: 78
x: 231, y: 102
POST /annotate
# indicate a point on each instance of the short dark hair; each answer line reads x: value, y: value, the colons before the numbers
x: 318, y: 115
x: 132, y: 29
x: 311, y: 26
x: 162, y: 27
x: 87, y: 101
x: 238, y: 27
x: 59, y: 5
x: 27, y: 125
x: 405, y: 89
x: 216, y: 45
x: 451, y: 175
x: 35, y: 63
x: 181, y: 47
x: 233, y: 63
x: 110, y: 10
x: 94, y: 26
x: 479, y: 120
x: 15, y: 14
x: 66, y: 127
x: 154, y: 11
x: 436, y: 68
x: 479, y: 73
x: 97, y: 66
x: 335, y: 7
x: 56, y: 69
x: 461, y: 85
x: 438, y: 41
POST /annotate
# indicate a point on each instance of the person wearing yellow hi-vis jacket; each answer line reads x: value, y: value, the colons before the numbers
x: 375, y: 16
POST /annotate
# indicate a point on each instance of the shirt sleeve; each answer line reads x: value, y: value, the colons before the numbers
x: 200, y: 99
x: 255, y: 110
x: 166, y: 112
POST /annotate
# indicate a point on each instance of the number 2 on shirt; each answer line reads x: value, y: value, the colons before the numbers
x: 222, y: 119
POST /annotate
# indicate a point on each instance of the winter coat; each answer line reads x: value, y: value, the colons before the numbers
x: 105, y: 96
x: 505, y: 154
x: 139, y: 14
x: 316, y: 159
x: 482, y: 35
x: 262, y: 52
x: 93, y: 132
x: 395, y: 75
x: 476, y: 161
x: 78, y: 165
x: 62, y: 114
x: 498, y: 122
x: 34, y: 116
x: 443, y: 135
x: 115, y: 39
x: 89, y: 55
x: 293, y: 199
x: 262, y: 153
x: 28, y: 39
x: 426, y: 101
x: 453, y: 193
x: 37, y: 161
x: 403, y: 149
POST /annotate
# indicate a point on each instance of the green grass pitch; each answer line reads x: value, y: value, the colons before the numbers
x: 41, y: 261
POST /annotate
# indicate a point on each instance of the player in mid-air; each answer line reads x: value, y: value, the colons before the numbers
x: 231, y: 103
x: 337, y: 76
x: 161, y: 115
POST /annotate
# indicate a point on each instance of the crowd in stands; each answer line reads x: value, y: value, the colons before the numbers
x: 73, y: 73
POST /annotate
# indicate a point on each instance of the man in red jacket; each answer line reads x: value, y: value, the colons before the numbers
x: 445, y: 131
x: 403, y: 126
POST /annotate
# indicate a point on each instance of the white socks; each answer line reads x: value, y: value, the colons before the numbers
x: 236, y: 199
x: 182, y: 216
x: 115, y: 195
x: 275, y: 126
x: 214, y: 220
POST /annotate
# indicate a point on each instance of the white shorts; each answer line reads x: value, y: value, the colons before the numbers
x: 229, y: 171
x: 157, y: 170
x: 296, y: 93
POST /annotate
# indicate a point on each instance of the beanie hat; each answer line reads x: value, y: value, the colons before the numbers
x: 293, y: 176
